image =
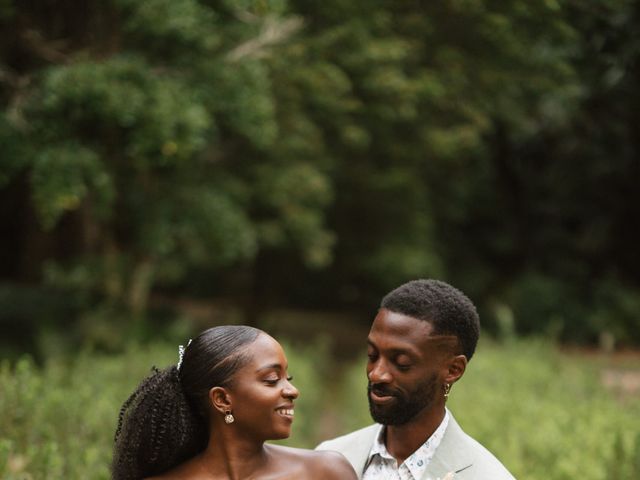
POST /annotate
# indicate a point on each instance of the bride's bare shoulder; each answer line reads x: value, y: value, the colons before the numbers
x: 321, y: 464
x: 334, y: 465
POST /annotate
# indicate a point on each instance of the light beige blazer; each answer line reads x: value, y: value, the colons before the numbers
x: 458, y: 455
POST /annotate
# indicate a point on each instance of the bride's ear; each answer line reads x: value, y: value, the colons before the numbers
x: 220, y: 399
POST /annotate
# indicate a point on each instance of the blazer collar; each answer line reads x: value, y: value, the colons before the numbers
x: 451, y: 455
x: 362, y: 446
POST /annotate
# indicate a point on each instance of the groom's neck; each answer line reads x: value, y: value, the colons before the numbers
x: 402, y: 440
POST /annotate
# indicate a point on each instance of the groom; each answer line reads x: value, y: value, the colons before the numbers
x: 419, y: 344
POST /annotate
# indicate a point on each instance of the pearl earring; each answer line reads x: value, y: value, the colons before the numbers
x: 228, y: 418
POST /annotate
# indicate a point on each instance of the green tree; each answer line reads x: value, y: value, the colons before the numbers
x: 146, y: 136
x: 320, y: 153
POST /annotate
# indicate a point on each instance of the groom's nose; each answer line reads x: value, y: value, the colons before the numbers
x: 377, y: 372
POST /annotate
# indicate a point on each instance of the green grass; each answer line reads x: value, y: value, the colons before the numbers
x: 545, y: 414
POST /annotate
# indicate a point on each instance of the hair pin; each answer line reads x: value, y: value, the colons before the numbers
x: 181, y: 349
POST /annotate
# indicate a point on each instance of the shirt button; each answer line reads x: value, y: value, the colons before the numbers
x: 420, y: 463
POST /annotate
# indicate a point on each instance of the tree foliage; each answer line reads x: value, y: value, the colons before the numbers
x: 320, y: 153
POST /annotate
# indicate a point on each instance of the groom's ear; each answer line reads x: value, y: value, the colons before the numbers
x: 220, y: 399
x: 456, y: 366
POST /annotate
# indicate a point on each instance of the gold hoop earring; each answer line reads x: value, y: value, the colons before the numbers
x: 228, y: 417
x: 447, y: 389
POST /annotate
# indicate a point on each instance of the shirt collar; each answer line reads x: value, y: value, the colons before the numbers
x: 418, y: 461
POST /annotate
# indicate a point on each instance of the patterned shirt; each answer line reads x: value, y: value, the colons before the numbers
x: 382, y: 466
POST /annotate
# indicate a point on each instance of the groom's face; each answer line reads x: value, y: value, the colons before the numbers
x: 406, y: 368
x: 405, y: 405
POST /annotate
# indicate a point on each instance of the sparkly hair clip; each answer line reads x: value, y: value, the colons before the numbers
x: 181, y: 349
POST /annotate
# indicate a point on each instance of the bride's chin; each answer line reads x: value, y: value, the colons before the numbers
x: 281, y: 435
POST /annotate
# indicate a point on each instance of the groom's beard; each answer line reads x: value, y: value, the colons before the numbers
x: 406, y: 405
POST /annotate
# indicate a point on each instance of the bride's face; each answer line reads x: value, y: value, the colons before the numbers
x: 262, y: 393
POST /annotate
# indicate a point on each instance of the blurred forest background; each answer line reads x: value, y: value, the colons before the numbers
x: 168, y: 165
x: 315, y: 155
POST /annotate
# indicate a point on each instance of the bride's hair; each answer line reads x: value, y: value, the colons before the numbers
x: 165, y: 420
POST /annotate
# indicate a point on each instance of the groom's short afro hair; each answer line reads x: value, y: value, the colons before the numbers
x: 446, y: 308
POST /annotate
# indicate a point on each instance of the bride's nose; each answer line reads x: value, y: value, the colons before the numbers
x: 290, y: 391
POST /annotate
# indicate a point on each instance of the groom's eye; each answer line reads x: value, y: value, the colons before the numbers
x: 403, y: 363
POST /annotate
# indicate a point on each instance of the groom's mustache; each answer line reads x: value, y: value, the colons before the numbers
x: 382, y: 390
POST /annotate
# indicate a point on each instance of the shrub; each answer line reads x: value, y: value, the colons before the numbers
x: 544, y: 413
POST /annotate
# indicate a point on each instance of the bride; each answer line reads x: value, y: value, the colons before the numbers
x: 209, y: 416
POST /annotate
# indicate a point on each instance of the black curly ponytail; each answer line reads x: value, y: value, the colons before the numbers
x: 164, y: 421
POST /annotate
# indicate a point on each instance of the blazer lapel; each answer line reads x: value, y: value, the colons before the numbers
x: 358, y: 451
x: 451, y: 455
